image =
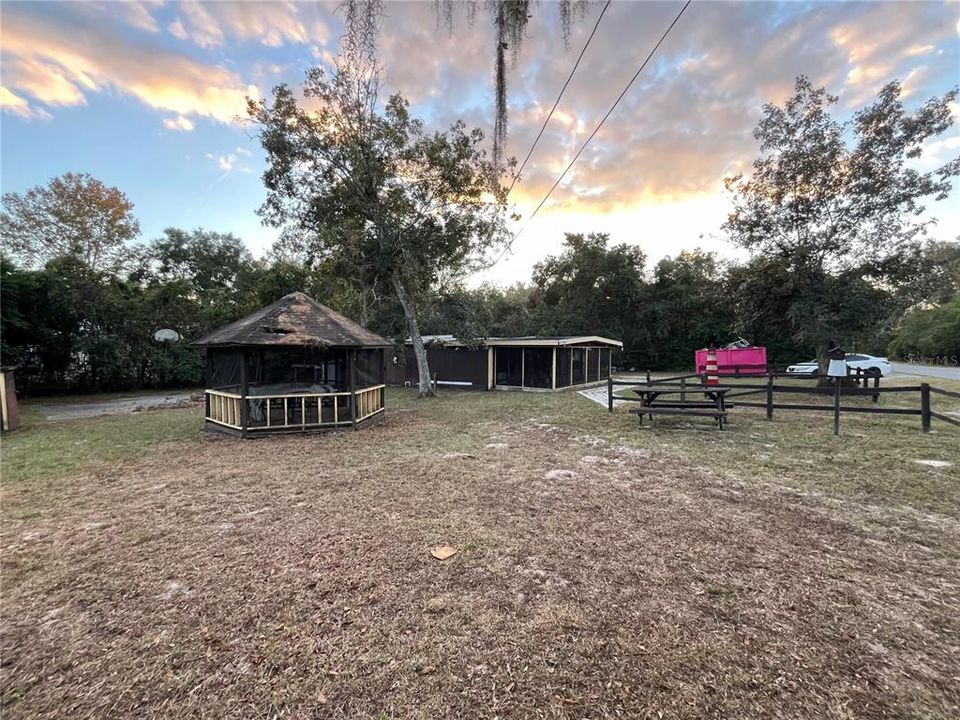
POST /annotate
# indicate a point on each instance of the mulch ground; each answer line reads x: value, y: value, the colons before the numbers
x: 292, y: 577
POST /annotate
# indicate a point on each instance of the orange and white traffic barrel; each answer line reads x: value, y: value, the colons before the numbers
x: 713, y: 377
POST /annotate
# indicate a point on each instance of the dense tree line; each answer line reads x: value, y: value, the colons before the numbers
x: 71, y: 323
x: 383, y: 221
x: 664, y: 312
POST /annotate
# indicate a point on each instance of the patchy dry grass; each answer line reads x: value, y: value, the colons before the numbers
x: 603, y: 571
x: 42, y: 450
x: 876, y: 458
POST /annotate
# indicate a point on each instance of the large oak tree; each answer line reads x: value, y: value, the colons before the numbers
x: 397, y: 207
x: 835, y: 204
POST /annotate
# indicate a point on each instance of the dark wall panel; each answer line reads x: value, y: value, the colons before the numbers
x: 395, y: 371
x: 447, y: 364
x: 458, y: 365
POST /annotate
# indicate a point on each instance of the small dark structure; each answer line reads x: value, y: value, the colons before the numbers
x: 523, y: 363
x: 9, y: 410
x: 295, y: 365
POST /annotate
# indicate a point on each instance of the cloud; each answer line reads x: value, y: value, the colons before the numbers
x: 181, y: 123
x: 199, y: 25
x: 136, y: 14
x: 883, y: 39
x: 210, y: 24
x: 224, y: 162
x: 688, y: 121
x: 684, y: 125
x: 59, y: 60
x: 13, y: 103
x: 177, y: 30
x: 48, y: 81
x: 230, y: 161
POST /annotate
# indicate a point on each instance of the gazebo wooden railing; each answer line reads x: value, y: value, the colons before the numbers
x: 293, y: 411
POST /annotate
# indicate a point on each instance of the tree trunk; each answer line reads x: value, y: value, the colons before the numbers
x: 419, y: 351
x: 823, y: 356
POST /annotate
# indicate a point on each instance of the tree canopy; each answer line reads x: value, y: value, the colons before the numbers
x: 74, y: 215
x: 830, y: 205
x: 398, y: 208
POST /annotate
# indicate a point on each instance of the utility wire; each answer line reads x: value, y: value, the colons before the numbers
x: 612, y: 108
x: 557, y: 102
x: 663, y: 37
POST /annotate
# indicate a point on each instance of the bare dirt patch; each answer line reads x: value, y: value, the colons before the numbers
x: 292, y: 577
x: 58, y: 411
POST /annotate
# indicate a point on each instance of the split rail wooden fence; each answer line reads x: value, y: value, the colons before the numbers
x: 697, y: 384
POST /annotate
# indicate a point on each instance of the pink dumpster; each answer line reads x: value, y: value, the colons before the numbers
x: 745, y: 360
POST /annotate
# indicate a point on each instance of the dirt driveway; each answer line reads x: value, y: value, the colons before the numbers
x: 54, y: 410
x: 292, y: 577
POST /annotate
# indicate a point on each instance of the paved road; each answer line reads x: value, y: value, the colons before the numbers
x: 938, y: 371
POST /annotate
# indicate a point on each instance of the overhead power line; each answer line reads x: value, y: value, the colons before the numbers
x: 612, y: 108
x: 557, y: 102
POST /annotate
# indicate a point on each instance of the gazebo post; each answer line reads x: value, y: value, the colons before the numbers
x: 244, y: 389
x: 352, y: 362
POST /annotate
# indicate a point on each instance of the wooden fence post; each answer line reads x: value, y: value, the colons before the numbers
x: 648, y: 377
x: 770, y: 396
x: 836, y: 406
x: 683, y: 389
x: 925, y: 406
x: 609, y: 393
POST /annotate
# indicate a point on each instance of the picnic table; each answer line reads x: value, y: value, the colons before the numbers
x: 653, y: 402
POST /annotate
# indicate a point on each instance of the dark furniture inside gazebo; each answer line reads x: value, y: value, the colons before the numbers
x: 295, y: 365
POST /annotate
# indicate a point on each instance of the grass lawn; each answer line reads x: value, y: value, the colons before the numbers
x: 770, y: 570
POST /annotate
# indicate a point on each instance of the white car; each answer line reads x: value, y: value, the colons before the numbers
x: 854, y: 360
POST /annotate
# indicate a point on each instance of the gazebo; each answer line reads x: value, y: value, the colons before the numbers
x: 293, y: 366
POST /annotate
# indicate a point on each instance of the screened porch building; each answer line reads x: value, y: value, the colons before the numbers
x: 293, y: 366
x: 523, y: 363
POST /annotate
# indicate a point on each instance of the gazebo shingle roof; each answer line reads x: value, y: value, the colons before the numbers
x: 294, y: 319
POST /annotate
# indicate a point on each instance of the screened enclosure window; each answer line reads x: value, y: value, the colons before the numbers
x: 538, y: 363
x: 369, y: 367
x: 579, y: 367
x: 223, y: 368
x: 509, y: 366
x: 298, y: 366
x: 604, y: 363
x: 563, y: 367
x: 593, y: 364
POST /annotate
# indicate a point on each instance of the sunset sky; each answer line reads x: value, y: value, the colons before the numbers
x: 148, y: 96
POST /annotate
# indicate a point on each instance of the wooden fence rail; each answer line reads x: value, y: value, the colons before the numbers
x: 770, y: 389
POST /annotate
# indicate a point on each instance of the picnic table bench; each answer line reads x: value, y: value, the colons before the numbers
x: 652, y: 404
